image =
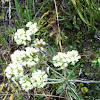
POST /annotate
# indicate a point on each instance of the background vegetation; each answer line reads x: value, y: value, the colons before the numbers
x: 65, y: 25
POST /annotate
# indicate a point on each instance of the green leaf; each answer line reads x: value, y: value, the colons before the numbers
x: 0, y: 36
x: 51, y: 50
x: 84, y: 90
x: 68, y: 77
x: 27, y: 15
x: 34, y: 6
x: 41, y: 97
x: 18, y: 10
x: 59, y: 90
x: 82, y: 18
x: 81, y: 84
x: 99, y: 62
x: 94, y: 62
x: 87, y: 1
x: 73, y: 95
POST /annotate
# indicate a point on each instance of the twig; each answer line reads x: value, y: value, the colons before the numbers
x: 58, y: 25
x: 43, y: 15
x: 36, y: 95
x: 7, y: 8
x: 83, y: 81
x: 9, y: 11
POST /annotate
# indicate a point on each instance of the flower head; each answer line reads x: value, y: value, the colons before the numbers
x: 62, y: 60
x: 31, y: 56
x: 14, y: 70
x: 25, y: 83
x: 33, y: 28
x: 29, y: 24
x: 20, y: 37
x: 73, y: 56
x: 39, y: 79
x: 30, y: 51
x: 18, y: 56
x: 38, y: 43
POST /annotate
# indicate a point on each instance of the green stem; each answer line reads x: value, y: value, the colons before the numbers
x: 71, y: 73
x: 54, y: 70
x: 55, y: 82
x: 34, y: 6
x: 56, y: 79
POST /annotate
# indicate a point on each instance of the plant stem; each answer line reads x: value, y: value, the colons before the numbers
x: 83, y: 81
x: 55, y: 82
x: 54, y: 70
x: 55, y: 79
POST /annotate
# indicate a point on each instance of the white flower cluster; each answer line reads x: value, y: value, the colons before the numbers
x: 26, y: 83
x: 20, y: 59
x: 31, y: 56
x: 39, y: 44
x: 15, y: 70
x: 22, y: 36
x: 28, y: 57
x: 18, y: 56
x: 39, y: 79
x: 32, y: 28
x: 62, y: 60
x: 73, y: 56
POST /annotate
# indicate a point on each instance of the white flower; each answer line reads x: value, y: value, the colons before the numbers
x: 25, y: 83
x: 39, y: 79
x: 20, y: 34
x: 31, y: 51
x: 29, y: 24
x: 73, y: 56
x: 99, y: 8
x: 17, y: 56
x: 62, y: 60
x: 8, y: 71
x: 28, y: 57
x: 33, y: 28
x: 14, y: 69
x: 28, y: 35
x: 32, y: 57
x: 30, y: 62
x: 38, y: 42
x: 20, y: 37
x: 18, y: 70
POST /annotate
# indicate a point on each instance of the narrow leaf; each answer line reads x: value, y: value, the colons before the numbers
x: 18, y: 10
x: 1, y: 87
x: 11, y: 97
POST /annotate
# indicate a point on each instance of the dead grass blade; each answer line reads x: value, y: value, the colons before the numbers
x: 1, y: 87
x: 43, y: 15
x: 11, y: 97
